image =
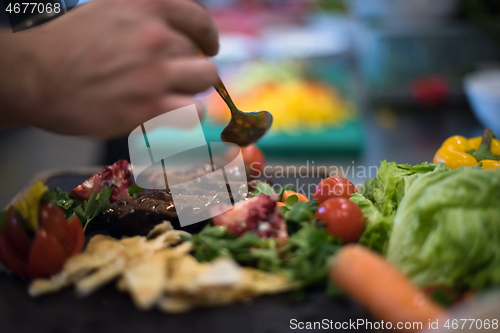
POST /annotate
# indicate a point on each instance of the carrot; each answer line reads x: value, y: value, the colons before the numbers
x: 280, y: 204
x: 287, y: 194
x: 385, y: 291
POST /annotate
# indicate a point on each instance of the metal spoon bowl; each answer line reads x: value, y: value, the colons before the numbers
x: 244, y: 128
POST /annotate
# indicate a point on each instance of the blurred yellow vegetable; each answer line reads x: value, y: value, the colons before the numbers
x: 295, y: 105
x: 29, y: 205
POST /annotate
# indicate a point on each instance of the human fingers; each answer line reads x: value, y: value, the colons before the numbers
x: 190, y: 75
x: 178, y: 45
x: 192, y: 20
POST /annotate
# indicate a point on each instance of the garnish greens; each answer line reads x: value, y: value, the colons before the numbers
x: 98, y: 202
x: 87, y: 210
x: 134, y: 189
x: 265, y: 188
x: 303, y: 257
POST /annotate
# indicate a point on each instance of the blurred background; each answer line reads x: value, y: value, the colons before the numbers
x: 349, y: 83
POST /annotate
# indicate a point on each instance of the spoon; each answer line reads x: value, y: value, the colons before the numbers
x: 244, y: 128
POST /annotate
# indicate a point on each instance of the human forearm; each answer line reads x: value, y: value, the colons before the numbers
x: 107, y: 66
x: 19, y: 91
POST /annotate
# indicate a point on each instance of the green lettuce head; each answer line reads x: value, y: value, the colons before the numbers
x: 446, y: 230
x: 381, y: 198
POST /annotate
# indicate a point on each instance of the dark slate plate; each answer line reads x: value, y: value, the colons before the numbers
x: 109, y: 310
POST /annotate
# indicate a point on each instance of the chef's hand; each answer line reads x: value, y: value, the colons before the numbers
x: 104, y: 68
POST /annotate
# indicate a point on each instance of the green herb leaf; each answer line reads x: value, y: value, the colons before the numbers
x: 88, y: 210
x: 304, y: 258
x: 49, y: 196
x: 296, y: 213
x: 283, y: 189
x: 308, y: 252
x: 283, y: 210
x: 65, y: 204
x: 262, y: 188
x: 300, y: 212
x: 134, y: 189
x: 90, y: 206
x: 291, y: 200
x: 80, y: 213
x: 63, y: 200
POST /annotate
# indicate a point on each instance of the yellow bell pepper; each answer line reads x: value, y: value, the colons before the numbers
x: 458, y: 150
x: 490, y: 164
x: 29, y: 205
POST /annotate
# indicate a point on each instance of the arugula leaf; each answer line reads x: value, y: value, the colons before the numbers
x: 301, y: 212
x: 303, y: 258
x: 262, y: 188
x: 296, y: 213
x: 213, y: 242
x: 268, y: 258
x: 309, y: 251
x: 265, y: 188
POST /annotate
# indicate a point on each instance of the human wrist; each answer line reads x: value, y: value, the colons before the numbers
x: 19, y: 87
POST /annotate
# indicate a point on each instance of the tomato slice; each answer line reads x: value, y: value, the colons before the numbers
x: 54, y: 221
x: 73, y: 243
x: 17, y: 236
x: 10, y: 258
x: 47, y: 255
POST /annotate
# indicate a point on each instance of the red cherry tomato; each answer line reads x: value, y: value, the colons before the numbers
x: 54, y: 221
x: 343, y: 219
x: 431, y: 90
x: 10, y: 258
x: 47, y: 255
x: 73, y: 243
x: 253, y: 157
x: 17, y: 236
x: 333, y: 187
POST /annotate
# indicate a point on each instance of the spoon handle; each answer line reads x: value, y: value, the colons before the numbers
x: 221, y: 89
